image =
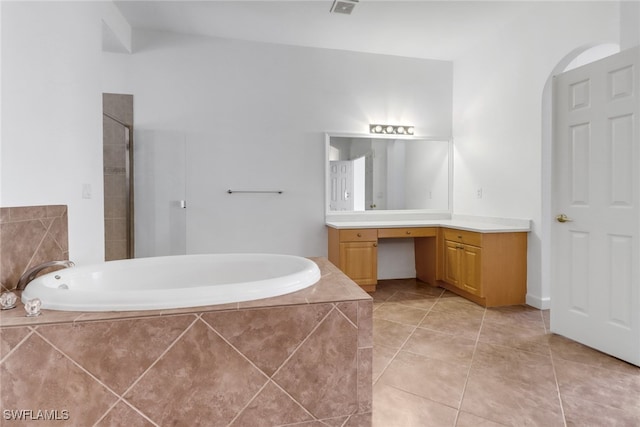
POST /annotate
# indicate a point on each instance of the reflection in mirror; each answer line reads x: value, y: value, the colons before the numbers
x: 368, y: 173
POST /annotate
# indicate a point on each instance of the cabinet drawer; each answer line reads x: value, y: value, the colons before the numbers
x: 407, y: 232
x: 359, y: 235
x: 462, y: 236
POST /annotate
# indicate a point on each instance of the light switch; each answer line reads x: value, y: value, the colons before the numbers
x: 86, y: 191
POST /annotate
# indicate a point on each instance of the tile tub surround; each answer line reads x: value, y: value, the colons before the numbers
x: 30, y: 235
x: 295, y: 359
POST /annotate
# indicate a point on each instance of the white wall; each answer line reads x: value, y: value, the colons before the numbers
x: 497, y: 114
x: 254, y: 116
x: 427, y: 175
x: 629, y: 24
x: 51, y: 113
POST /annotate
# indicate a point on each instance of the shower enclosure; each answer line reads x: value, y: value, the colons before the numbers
x: 117, y: 126
x: 150, y: 175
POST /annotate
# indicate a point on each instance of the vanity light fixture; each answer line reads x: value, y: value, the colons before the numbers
x: 391, y: 129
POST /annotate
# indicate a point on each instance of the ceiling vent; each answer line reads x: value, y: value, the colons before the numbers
x: 343, y: 6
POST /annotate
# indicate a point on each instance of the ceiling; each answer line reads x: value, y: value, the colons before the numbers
x: 441, y: 30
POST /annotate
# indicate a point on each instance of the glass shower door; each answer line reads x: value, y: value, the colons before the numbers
x: 160, y: 193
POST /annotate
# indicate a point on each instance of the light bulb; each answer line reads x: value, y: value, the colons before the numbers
x: 410, y: 130
x: 389, y: 129
x: 400, y: 129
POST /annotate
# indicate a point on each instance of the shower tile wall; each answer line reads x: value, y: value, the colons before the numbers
x: 115, y: 183
x: 30, y: 235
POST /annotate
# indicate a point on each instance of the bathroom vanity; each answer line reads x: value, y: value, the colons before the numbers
x: 385, y: 187
x: 482, y: 261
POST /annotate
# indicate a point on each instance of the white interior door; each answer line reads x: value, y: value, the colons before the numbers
x: 595, y: 297
x: 341, y: 181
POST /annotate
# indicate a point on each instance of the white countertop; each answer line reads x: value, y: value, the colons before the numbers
x: 477, y: 224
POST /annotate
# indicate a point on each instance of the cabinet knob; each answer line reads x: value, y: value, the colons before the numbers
x: 459, y: 237
x: 408, y: 232
x: 375, y: 245
x: 359, y: 234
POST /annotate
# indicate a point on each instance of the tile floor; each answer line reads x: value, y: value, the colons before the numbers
x: 440, y: 360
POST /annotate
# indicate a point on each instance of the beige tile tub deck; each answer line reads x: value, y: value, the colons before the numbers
x: 301, y: 359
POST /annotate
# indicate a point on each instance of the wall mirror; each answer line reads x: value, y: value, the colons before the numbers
x: 372, y: 173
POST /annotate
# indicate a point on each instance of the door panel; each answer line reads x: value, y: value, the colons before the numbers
x: 451, y: 263
x: 595, y: 250
x: 341, y: 181
x: 358, y: 260
x: 471, y: 267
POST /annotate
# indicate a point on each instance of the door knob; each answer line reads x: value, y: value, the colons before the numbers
x: 563, y: 218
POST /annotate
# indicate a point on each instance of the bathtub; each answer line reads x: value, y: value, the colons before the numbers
x: 172, y: 282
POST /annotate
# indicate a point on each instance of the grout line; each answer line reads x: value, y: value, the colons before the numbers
x: 347, y: 317
x: 404, y: 342
x: 169, y: 347
x: 31, y: 331
x: 82, y: 368
x: 241, y: 410
x: 466, y: 382
x: 555, y: 377
x: 270, y: 378
x: 119, y: 397
x: 35, y: 251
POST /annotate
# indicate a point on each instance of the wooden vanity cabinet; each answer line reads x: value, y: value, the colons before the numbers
x: 462, y: 266
x: 355, y: 252
x: 487, y: 268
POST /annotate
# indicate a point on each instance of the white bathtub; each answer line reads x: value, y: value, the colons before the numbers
x: 172, y: 282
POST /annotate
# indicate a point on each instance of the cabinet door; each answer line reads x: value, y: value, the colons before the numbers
x: 451, y: 263
x: 359, y: 261
x: 470, y: 269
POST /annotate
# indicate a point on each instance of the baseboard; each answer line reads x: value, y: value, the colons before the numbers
x: 539, y: 303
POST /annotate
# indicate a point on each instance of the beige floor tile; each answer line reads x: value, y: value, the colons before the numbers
x: 514, y: 366
x: 470, y: 420
x: 480, y: 367
x: 430, y: 378
x: 599, y: 385
x: 564, y: 348
x: 382, y: 356
x: 521, y: 336
x: 518, y: 314
x: 580, y: 412
x: 511, y: 402
x: 410, y: 285
x: 396, y: 408
x: 400, y: 313
x: 440, y: 346
x: 457, y: 305
x: 466, y: 325
x: 424, y: 302
x: 382, y: 293
x: 390, y: 334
